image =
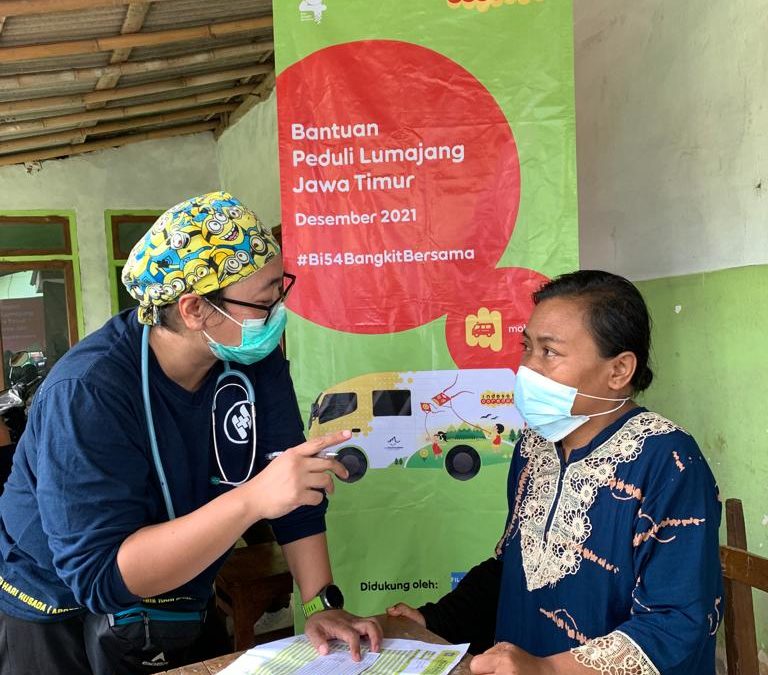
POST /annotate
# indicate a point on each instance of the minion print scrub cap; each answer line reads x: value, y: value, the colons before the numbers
x: 200, y: 245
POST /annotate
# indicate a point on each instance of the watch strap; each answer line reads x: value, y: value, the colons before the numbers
x: 313, y: 606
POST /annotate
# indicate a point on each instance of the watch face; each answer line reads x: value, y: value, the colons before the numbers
x: 334, y: 597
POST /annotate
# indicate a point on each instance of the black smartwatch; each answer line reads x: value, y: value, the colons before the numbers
x: 329, y: 597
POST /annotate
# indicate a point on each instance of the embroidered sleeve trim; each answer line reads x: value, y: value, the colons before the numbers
x: 615, y: 654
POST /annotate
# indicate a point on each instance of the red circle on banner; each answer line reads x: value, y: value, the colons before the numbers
x: 486, y: 329
x: 386, y: 228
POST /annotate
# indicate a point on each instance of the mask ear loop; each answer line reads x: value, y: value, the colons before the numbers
x: 247, y: 387
x: 259, y: 322
x: 600, y: 398
x: 212, y: 341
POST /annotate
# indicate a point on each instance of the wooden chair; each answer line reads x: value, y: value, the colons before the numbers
x: 742, y: 571
x: 251, y: 579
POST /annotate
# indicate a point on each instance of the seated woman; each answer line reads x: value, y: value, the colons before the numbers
x: 609, y: 560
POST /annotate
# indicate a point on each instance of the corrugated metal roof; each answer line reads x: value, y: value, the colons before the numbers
x: 187, y: 71
x: 169, y: 95
x: 54, y: 63
x: 181, y: 13
x: 180, y: 48
x: 68, y: 89
x: 44, y: 28
x: 64, y: 75
x: 150, y: 127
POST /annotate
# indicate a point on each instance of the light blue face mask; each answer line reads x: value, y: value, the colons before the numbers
x: 546, y: 405
x: 259, y: 338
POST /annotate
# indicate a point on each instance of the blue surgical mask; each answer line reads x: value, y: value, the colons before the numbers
x: 259, y: 338
x: 546, y: 405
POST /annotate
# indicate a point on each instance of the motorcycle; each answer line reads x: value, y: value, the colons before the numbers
x: 26, y: 372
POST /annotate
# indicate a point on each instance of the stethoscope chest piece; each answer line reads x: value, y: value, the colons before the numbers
x: 239, y: 422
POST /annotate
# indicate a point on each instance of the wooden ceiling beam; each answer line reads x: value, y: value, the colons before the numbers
x: 47, y: 78
x: 260, y: 93
x: 80, y: 135
x: 134, y: 21
x: 24, y: 7
x: 118, y: 141
x: 123, y: 112
x: 49, y: 103
x: 135, y: 15
x: 16, y: 145
x: 179, y: 116
x: 150, y: 39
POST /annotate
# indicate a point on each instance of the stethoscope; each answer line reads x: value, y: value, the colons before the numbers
x: 250, y: 404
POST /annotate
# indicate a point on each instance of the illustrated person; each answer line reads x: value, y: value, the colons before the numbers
x: 496, y: 441
x: 609, y: 560
x: 126, y: 493
x: 438, y: 438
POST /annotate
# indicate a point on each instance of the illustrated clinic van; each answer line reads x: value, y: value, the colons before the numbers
x: 456, y: 419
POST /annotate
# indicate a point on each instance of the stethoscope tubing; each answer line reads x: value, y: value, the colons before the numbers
x: 245, y: 384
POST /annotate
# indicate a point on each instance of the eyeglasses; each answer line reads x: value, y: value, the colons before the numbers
x: 287, y: 284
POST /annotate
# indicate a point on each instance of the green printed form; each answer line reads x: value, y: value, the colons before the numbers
x: 406, y: 661
x: 296, y: 656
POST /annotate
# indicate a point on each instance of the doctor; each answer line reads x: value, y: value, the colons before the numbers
x: 127, y: 491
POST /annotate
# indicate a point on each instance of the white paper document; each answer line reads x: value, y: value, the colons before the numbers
x: 296, y: 656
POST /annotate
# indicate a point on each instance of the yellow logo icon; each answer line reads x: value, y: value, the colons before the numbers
x: 485, y: 5
x: 484, y: 329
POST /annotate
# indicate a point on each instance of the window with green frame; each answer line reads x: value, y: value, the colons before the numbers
x: 124, y: 229
x: 40, y: 308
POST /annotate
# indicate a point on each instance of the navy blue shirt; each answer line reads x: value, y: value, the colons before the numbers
x: 614, y: 554
x: 83, y: 478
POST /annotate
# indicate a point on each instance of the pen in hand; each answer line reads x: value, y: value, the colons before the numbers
x: 325, y: 443
x: 323, y: 454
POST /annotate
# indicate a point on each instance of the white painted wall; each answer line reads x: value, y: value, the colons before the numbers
x: 248, y: 162
x: 672, y: 134
x: 148, y: 175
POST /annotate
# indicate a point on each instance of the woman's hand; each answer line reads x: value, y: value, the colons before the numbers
x: 336, y: 624
x: 401, y: 609
x: 296, y: 478
x: 506, y: 659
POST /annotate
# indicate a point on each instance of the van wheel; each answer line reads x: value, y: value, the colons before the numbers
x: 355, y: 462
x: 462, y: 462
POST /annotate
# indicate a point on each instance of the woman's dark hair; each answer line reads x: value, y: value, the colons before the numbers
x: 168, y: 314
x: 499, y: 428
x: 618, y: 318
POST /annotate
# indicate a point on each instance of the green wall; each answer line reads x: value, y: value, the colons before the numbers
x: 711, y: 376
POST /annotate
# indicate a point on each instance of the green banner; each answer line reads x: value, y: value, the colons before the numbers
x: 428, y: 185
